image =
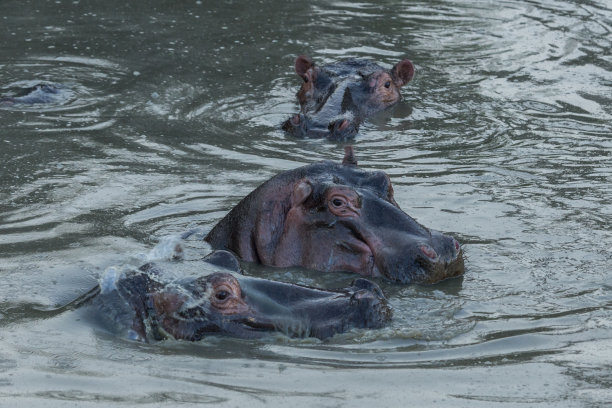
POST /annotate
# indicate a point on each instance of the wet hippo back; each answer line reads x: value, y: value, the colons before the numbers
x: 42, y: 93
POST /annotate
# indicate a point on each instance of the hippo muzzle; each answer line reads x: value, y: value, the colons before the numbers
x: 401, y: 249
x: 332, y: 128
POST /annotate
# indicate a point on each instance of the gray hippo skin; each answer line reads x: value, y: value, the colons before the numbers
x: 37, y: 94
x: 148, y: 308
x: 336, y: 217
x: 334, y: 99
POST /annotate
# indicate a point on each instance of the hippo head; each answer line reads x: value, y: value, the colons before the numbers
x: 336, y: 217
x: 42, y: 93
x: 244, y: 307
x: 334, y: 99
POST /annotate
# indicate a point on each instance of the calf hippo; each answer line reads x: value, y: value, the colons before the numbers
x: 336, y: 217
x: 148, y: 307
x: 334, y: 99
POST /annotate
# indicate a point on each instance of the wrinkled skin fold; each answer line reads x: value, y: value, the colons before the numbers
x: 336, y: 217
x: 223, y: 303
x: 334, y: 99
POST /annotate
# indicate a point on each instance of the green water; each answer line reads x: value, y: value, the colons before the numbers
x: 503, y: 139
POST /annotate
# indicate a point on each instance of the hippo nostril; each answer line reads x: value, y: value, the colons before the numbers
x: 428, y: 251
x: 295, y: 120
x: 340, y: 125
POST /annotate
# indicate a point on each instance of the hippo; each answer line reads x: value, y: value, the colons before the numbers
x: 147, y: 307
x: 38, y: 94
x: 334, y: 99
x: 331, y: 216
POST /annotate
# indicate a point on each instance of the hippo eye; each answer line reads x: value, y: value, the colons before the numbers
x: 222, y: 294
x: 344, y: 204
x: 387, y: 84
x: 337, y: 202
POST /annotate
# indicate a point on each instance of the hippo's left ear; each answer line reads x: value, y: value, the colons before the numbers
x: 303, y: 65
x: 402, y: 72
x: 270, y: 222
x: 302, y: 190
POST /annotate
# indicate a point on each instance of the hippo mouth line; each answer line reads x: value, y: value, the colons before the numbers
x: 361, y: 245
x: 281, y: 325
x: 430, y: 271
x: 249, y: 327
x: 252, y: 323
x: 448, y: 269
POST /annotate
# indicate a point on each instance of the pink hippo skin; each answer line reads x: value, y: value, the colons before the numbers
x: 336, y: 217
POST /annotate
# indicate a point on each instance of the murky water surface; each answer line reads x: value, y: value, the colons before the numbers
x: 171, y: 114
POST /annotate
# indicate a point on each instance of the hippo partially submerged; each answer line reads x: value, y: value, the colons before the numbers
x: 42, y: 93
x: 336, y: 217
x: 149, y: 307
x: 334, y: 99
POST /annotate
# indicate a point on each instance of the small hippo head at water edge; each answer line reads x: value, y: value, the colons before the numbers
x: 220, y: 301
x: 336, y: 217
x: 334, y: 99
x: 28, y: 94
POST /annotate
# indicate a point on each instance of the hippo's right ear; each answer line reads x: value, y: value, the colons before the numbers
x: 302, y: 65
x: 402, y: 72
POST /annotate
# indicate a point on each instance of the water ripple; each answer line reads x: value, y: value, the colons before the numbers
x: 83, y: 90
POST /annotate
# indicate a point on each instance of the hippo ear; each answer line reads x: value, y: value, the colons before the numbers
x: 349, y: 156
x: 402, y: 72
x: 302, y: 65
x: 270, y: 222
x: 302, y: 190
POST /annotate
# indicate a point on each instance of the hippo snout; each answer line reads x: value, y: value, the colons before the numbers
x: 367, y: 288
x: 295, y: 125
x: 450, y: 250
x: 342, y: 129
x: 302, y: 126
x: 422, y: 259
x: 369, y: 304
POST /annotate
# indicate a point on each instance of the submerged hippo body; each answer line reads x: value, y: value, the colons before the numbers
x: 147, y: 307
x: 32, y: 95
x: 334, y: 99
x: 336, y: 217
